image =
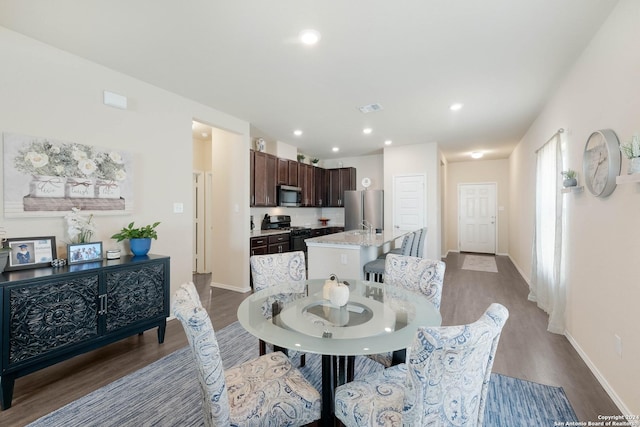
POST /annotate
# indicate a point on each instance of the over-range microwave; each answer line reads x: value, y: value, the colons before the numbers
x: 289, y: 195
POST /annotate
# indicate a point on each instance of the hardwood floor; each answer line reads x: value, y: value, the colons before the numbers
x: 526, y: 349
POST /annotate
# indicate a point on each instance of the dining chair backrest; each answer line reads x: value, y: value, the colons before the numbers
x: 415, y: 243
x: 407, y: 244
x: 449, y: 369
x: 278, y: 269
x: 202, y: 340
x: 423, y: 238
x: 416, y: 274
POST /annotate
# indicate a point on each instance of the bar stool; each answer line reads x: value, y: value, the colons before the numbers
x: 374, y: 270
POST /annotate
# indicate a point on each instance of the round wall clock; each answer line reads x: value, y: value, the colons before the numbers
x: 366, y: 182
x: 601, y: 162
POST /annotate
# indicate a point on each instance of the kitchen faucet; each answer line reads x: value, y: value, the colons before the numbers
x: 367, y: 225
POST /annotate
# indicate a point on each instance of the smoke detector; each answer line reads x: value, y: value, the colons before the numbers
x: 370, y: 108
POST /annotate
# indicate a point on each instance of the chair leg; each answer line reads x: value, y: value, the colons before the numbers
x: 262, y: 347
x: 303, y: 360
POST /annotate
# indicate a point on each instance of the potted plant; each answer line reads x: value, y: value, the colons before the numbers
x: 569, y: 178
x: 315, y: 161
x: 631, y: 151
x: 139, y: 237
x: 301, y: 158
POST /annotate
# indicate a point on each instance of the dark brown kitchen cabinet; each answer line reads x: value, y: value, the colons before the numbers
x: 283, y: 172
x: 320, y: 184
x: 48, y: 315
x: 306, y: 182
x: 338, y: 181
x: 293, y: 173
x: 252, y: 168
x: 278, y: 243
x: 264, y: 177
x: 258, y: 245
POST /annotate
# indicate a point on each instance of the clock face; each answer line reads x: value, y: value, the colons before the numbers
x: 601, y: 162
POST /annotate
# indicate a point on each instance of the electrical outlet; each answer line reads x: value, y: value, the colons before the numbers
x: 617, y: 344
x: 178, y: 207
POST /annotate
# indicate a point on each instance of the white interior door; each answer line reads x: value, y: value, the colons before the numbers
x: 477, y: 218
x: 198, y: 222
x: 408, y: 202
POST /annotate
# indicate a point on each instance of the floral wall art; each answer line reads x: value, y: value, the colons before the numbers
x: 47, y: 177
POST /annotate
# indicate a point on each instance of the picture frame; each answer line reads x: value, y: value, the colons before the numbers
x: 78, y: 253
x: 30, y: 252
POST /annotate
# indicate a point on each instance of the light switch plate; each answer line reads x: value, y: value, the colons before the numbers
x: 178, y: 207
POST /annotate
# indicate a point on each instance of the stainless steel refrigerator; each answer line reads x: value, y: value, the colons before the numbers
x: 363, y: 205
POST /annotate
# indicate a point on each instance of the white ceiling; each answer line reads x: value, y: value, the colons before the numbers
x: 500, y: 58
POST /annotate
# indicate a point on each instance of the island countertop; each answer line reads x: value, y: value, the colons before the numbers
x: 357, y: 238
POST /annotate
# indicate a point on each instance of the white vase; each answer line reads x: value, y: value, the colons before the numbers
x: 47, y: 186
x: 107, y: 189
x: 634, y: 165
x: 80, y: 188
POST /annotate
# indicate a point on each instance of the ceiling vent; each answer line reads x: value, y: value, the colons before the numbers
x: 370, y: 108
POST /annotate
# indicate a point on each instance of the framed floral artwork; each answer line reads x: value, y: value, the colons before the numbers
x: 50, y: 177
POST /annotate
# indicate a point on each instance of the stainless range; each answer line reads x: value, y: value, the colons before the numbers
x: 297, y: 234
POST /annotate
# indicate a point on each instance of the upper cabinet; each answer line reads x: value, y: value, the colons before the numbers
x: 264, y: 179
x: 320, y: 184
x: 320, y: 187
x: 306, y: 181
x: 338, y: 181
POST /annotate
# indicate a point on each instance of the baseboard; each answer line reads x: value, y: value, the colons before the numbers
x: 524, y: 276
x: 601, y: 379
x: 231, y: 288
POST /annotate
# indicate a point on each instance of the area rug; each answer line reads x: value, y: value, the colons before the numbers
x: 166, y: 393
x: 480, y: 263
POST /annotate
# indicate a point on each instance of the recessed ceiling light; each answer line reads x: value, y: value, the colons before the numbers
x: 388, y: 142
x: 309, y: 37
x: 455, y: 107
x: 335, y: 149
x: 477, y: 154
x: 367, y: 131
x: 297, y: 132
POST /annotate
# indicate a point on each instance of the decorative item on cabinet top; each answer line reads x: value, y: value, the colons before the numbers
x: 631, y: 151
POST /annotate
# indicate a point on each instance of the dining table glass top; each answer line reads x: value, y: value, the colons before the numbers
x: 376, y: 318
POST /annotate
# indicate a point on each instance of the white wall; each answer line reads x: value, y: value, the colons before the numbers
x: 47, y: 92
x: 601, y: 91
x: 479, y: 171
x: 417, y: 159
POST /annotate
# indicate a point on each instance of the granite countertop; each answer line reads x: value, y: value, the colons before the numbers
x: 357, y: 238
x: 259, y: 233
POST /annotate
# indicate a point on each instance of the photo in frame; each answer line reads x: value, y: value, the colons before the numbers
x: 84, y: 252
x: 30, y: 252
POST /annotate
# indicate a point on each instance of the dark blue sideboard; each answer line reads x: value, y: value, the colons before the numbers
x: 48, y: 315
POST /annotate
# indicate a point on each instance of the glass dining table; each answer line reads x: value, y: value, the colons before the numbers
x: 375, y: 319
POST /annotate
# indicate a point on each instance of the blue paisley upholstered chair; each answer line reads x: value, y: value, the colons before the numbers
x: 278, y: 269
x: 444, y: 383
x: 267, y: 391
x: 419, y: 275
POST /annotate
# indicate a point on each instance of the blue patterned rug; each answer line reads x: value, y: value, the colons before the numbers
x: 166, y: 393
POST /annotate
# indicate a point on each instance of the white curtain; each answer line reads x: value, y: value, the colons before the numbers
x: 547, y: 284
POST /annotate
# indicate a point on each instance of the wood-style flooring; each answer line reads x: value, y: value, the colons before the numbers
x: 526, y: 349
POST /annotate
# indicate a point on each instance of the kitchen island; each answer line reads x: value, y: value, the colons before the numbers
x: 346, y: 253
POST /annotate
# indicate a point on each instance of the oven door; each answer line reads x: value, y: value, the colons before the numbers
x: 296, y: 240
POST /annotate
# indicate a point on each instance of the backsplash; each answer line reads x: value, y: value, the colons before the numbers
x: 304, y: 217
